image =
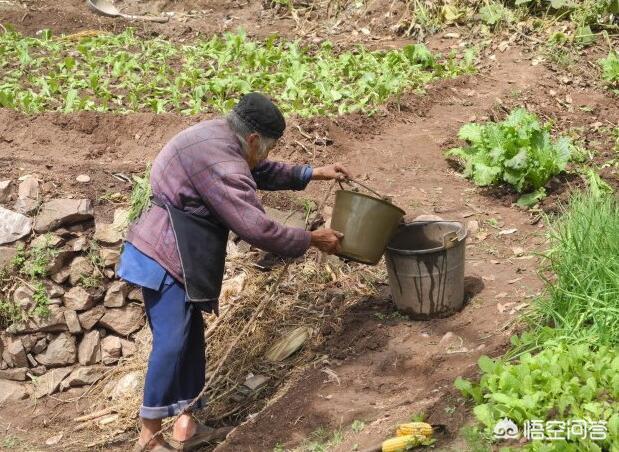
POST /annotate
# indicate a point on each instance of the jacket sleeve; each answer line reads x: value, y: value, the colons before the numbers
x: 271, y: 175
x: 231, y: 194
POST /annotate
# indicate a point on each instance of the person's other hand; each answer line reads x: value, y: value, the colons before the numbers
x: 335, y: 171
x: 327, y: 240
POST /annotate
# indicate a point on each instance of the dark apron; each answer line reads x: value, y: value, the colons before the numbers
x: 201, y: 245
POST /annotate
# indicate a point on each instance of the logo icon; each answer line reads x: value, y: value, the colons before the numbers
x: 505, y: 429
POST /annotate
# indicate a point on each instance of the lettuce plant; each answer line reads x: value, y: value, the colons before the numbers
x: 519, y: 151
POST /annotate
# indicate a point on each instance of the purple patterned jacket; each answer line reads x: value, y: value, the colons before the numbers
x: 202, y: 170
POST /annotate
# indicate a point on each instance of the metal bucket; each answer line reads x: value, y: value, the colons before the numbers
x: 425, y: 263
x: 367, y: 224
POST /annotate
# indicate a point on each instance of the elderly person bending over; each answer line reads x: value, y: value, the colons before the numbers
x: 204, y: 184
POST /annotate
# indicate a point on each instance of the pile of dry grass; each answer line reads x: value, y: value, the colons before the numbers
x: 312, y: 292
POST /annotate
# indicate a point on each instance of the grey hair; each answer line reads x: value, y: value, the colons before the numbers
x: 237, y: 125
x: 242, y: 129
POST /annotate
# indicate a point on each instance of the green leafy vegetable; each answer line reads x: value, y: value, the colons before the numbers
x: 518, y: 151
x: 125, y: 73
x: 561, y: 383
x: 494, y: 13
x: 610, y: 69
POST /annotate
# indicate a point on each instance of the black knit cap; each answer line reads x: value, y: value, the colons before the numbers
x: 258, y: 112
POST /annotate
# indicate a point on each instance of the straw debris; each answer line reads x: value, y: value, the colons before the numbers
x: 309, y: 298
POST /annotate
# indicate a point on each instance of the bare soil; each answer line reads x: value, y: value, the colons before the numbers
x: 377, y: 367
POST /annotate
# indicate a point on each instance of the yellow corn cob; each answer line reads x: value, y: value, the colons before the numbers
x: 401, y: 443
x: 414, y: 428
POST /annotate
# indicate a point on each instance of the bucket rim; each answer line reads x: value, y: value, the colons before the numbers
x: 387, y: 203
x: 428, y: 250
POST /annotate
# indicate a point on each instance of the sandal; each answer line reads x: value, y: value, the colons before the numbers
x: 165, y: 447
x: 204, y: 434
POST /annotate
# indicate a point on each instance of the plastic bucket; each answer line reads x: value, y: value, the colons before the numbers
x: 425, y: 264
x: 367, y: 224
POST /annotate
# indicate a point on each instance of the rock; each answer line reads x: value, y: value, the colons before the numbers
x: 121, y: 218
x: 136, y: 295
x: 79, y: 244
x: 52, y: 441
x: 10, y: 391
x: 428, y: 218
x: 28, y: 188
x: 111, y: 350
x: 40, y: 346
x: 112, y: 234
x: 83, y: 376
x: 16, y: 354
x: 48, y: 187
x: 89, y: 351
x: 59, y: 212
x: 28, y: 341
x: 89, y: 318
x: 451, y: 342
x: 73, y: 322
x: 123, y: 321
x: 7, y: 254
x: 54, y: 290
x: 26, y: 206
x: 13, y: 226
x: 129, y: 385
x: 38, y: 370
x: 5, y: 191
x: 27, y: 196
x: 61, y: 351
x: 33, y: 362
x: 53, y: 323
x: 55, y: 301
x: 508, y: 231
x: 78, y: 299
x: 60, y: 276
x: 23, y: 297
x: 256, y: 382
x: 49, y: 383
x: 116, y: 295
x: 109, y: 273
x: 58, y: 267
x: 46, y: 241
x: 108, y: 233
x: 128, y: 347
x: 83, y: 178
x: 109, y: 257
x: 80, y: 267
x: 472, y: 226
x: 518, y: 251
x: 16, y: 374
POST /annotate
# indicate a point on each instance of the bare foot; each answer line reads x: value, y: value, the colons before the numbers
x: 184, y: 428
x: 149, y: 428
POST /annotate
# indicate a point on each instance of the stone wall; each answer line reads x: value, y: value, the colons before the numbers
x: 92, y: 315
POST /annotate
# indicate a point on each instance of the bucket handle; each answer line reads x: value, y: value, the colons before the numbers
x: 351, y: 181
